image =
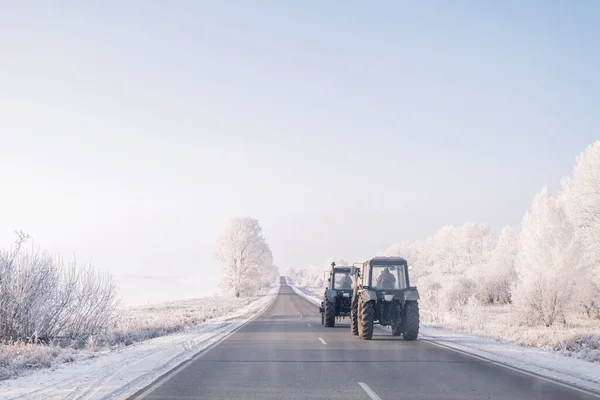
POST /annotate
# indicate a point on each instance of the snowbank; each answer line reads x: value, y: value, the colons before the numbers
x: 118, y: 374
x: 547, y: 364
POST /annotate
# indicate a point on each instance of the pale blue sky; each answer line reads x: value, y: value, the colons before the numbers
x: 130, y: 131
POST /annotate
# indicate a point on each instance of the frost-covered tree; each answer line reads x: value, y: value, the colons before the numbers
x: 497, y: 275
x: 547, y: 263
x: 416, y: 253
x: 455, y: 249
x: 581, y: 198
x: 474, y: 244
x: 244, y: 256
x: 442, y: 256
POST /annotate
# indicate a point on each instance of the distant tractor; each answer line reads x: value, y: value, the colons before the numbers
x: 337, y: 296
x: 382, y: 295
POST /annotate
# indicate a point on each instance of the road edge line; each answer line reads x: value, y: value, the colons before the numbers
x: 556, y: 381
x: 516, y: 369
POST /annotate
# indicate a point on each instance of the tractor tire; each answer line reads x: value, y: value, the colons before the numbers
x: 329, y: 314
x: 366, y: 316
x: 354, y: 317
x: 411, y: 321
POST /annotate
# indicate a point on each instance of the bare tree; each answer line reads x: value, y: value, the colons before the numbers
x: 41, y: 299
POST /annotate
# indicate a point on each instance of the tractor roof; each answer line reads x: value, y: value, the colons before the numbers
x: 387, y: 260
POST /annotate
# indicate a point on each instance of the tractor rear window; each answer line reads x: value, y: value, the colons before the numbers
x: 343, y: 280
x: 388, y: 277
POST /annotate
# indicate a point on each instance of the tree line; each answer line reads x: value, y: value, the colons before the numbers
x: 546, y: 269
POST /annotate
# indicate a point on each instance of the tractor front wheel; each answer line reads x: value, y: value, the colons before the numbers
x: 354, y: 317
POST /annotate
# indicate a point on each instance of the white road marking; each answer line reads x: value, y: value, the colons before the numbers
x: 301, y: 316
x: 308, y: 323
x: 322, y: 341
x: 369, y: 391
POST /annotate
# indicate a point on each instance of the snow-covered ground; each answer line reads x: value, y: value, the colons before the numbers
x: 547, y: 364
x: 118, y: 374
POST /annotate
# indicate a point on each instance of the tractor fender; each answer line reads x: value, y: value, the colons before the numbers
x: 330, y: 295
x: 368, y: 295
x: 411, y: 294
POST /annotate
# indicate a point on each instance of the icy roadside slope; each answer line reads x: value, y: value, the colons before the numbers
x: 118, y: 374
x: 541, y: 362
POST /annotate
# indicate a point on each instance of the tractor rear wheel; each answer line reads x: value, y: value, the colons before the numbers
x: 411, y: 321
x: 366, y: 316
x: 329, y: 314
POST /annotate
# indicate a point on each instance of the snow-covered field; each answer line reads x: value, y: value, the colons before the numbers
x: 542, y: 362
x: 186, y: 328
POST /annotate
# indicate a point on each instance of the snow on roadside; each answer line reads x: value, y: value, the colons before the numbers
x: 118, y: 374
x: 545, y: 363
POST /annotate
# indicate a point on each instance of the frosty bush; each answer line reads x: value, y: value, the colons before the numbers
x: 472, y: 314
x: 41, y: 298
x: 457, y: 292
x: 430, y: 291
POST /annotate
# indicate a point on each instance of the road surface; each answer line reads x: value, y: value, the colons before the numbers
x: 286, y: 354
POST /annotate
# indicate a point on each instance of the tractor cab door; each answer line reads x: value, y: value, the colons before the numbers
x: 366, y: 274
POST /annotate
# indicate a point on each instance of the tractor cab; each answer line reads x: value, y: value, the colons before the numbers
x: 337, y: 296
x: 383, y: 295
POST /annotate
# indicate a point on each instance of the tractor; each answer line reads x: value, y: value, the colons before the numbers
x: 382, y: 295
x: 337, y: 296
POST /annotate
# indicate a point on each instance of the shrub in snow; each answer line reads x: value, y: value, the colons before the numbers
x: 41, y: 298
x: 547, y: 263
x: 17, y: 357
x: 586, y: 347
x: 473, y: 313
x: 430, y: 291
x: 457, y: 292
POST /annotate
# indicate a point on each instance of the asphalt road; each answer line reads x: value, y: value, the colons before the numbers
x: 286, y: 354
